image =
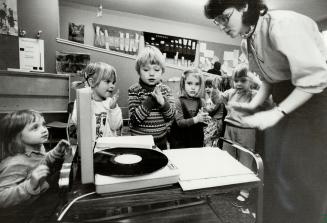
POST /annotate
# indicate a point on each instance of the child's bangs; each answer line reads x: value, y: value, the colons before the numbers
x: 152, y: 59
x: 110, y: 76
x: 28, y: 116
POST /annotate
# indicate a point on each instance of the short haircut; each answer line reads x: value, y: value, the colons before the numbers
x: 214, y: 8
x: 99, y: 71
x: 11, y: 127
x: 217, y: 65
x: 150, y: 54
x: 196, y: 73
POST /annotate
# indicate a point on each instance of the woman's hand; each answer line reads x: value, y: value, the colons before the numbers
x: 114, y: 99
x: 158, y: 95
x: 263, y: 120
x: 38, y: 176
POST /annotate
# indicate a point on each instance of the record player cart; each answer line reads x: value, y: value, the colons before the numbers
x: 82, y: 209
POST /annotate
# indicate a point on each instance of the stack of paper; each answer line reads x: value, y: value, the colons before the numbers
x: 208, y: 167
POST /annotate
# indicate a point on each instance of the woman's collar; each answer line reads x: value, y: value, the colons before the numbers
x: 254, y: 29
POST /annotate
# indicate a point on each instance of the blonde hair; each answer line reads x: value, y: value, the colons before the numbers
x: 99, y: 71
x: 196, y: 73
x: 11, y: 127
x: 152, y: 55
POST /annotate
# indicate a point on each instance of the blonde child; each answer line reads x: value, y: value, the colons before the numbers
x: 102, y: 78
x: 190, y: 117
x: 151, y: 104
x: 26, y: 170
x: 215, y: 107
x: 235, y: 130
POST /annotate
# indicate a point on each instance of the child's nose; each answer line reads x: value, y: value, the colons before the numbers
x: 45, y: 129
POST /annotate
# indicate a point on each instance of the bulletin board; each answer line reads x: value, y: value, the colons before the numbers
x: 209, y: 51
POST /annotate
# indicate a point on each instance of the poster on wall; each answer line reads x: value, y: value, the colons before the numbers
x: 8, y: 17
x: 71, y: 62
x: 31, y: 54
x: 76, y: 33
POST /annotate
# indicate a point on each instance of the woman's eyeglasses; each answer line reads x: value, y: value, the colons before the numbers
x: 222, y: 20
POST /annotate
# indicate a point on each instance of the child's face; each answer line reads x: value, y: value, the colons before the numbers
x: 151, y: 74
x: 208, y: 89
x: 241, y: 83
x: 35, y: 133
x: 192, y: 86
x: 103, y: 90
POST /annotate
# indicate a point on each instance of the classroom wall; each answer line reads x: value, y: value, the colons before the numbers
x: 82, y: 14
x: 125, y: 67
x: 33, y: 15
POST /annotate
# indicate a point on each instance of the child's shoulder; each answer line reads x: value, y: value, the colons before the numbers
x: 135, y: 87
x: 13, y: 160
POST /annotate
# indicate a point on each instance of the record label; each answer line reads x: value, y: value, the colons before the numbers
x: 128, y: 162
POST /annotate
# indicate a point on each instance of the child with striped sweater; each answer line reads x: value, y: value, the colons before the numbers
x: 151, y: 104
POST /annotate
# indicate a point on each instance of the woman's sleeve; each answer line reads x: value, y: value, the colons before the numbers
x: 299, y: 39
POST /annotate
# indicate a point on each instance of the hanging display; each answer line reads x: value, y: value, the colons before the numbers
x: 117, y: 39
x: 172, y: 46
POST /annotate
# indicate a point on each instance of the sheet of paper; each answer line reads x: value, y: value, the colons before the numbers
x: 203, y: 47
x: 31, y: 54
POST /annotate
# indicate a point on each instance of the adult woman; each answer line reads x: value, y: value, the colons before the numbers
x: 290, y: 54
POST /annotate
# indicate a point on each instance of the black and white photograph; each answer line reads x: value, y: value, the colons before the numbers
x: 148, y: 111
x: 76, y: 33
x: 8, y: 17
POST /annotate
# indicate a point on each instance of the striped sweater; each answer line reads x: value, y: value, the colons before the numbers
x: 146, y: 115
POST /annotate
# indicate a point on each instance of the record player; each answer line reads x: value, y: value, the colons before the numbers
x: 118, y: 163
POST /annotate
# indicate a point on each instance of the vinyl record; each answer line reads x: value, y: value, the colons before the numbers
x: 128, y: 161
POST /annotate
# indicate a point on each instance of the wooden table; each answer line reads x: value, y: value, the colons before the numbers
x: 99, y: 207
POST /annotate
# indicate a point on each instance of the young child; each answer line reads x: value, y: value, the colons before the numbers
x: 235, y: 131
x: 150, y: 103
x: 215, y: 107
x: 26, y: 170
x: 190, y: 117
x: 102, y: 78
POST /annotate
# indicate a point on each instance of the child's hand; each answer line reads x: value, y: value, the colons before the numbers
x: 114, y: 100
x: 38, y: 175
x: 202, y: 117
x: 63, y: 146
x: 158, y: 95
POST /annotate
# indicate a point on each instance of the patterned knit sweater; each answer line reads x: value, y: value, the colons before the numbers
x: 146, y: 115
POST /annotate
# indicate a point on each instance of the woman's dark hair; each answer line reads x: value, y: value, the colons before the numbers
x: 213, y: 8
